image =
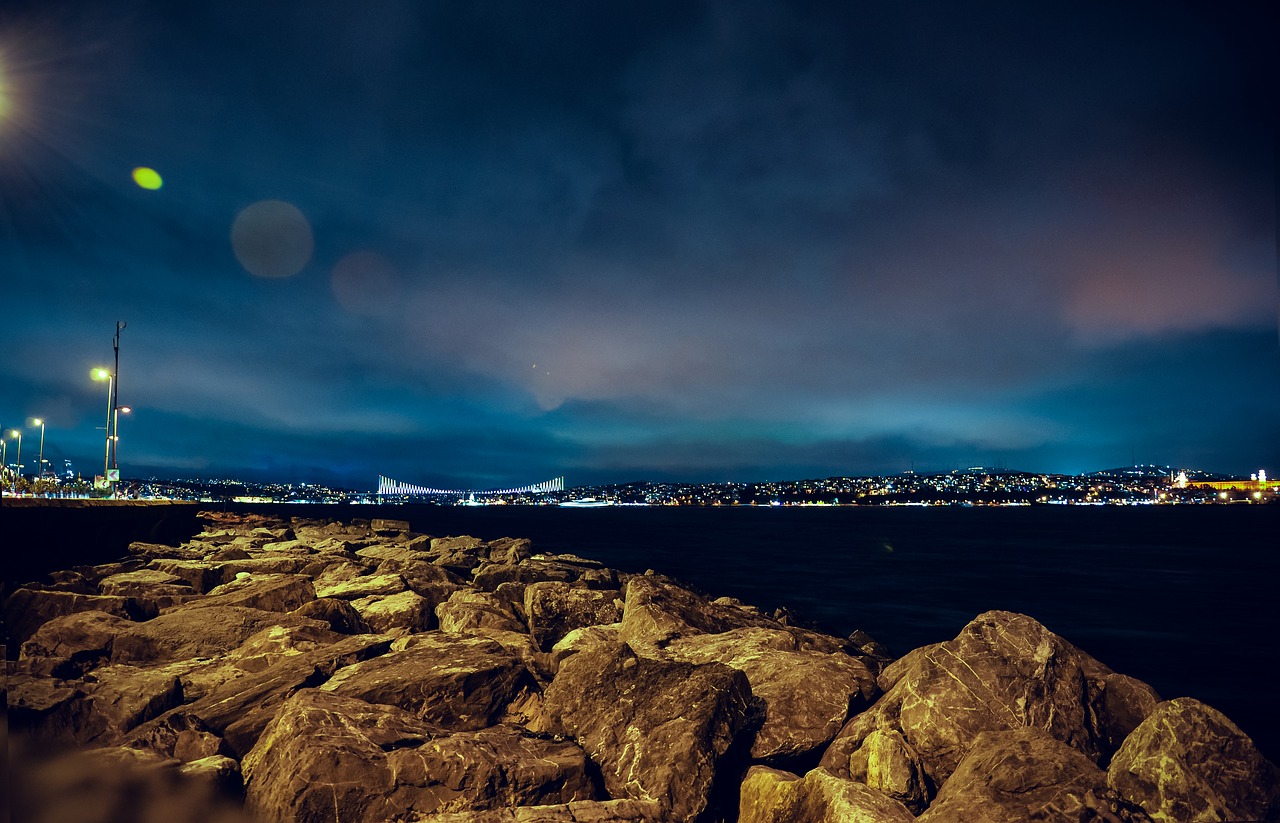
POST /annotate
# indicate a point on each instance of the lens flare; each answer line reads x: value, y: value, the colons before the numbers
x: 147, y: 178
x: 271, y: 238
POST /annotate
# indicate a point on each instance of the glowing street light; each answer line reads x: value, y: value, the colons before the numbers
x: 115, y: 437
x: 39, y: 460
x: 17, y: 435
x: 103, y: 374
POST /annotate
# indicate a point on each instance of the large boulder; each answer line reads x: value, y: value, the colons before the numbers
x: 888, y: 764
x: 772, y: 796
x: 327, y: 757
x: 454, y: 682
x: 406, y: 611
x: 1004, y: 671
x: 807, y: 695
x: 539, y: 568
x: 190, y: 632
x: 657, y: 611
x: 148, y: 583
x: 468, y: 609
x: 28, y: 609
x: 268, y: 592
x: 1187, y: 762
x: 364, y: 586
x: 579, y: 811
x: 554, y: 608
x: 657, y: 729
x: 1027, y: 774
x: 239, y: 709
x: 341, y: 616
x: 68, y: 646
x: 125, y: 696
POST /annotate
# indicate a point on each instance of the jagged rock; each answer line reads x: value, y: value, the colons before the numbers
x: 268, y: 592
x: 144, y: 583
x: 584, y: 639
x: 28, y: 609
x: 261, y: 566
x: 560, y: 568
x: 461, y: 683
x: 1188, y: 762
x: 221, y: 774
x: 1003, y: 671
x: 67, y: 580
x: 580, y: 811
x: 391, y: 526
x: 459, y: 543
x: 55, y: 711
x: 553, y: 609
x: 509, y: 549
x: 771, y: 796
x: 125, y: 696
x: 407, y: 610
x: 227, y: 553
x: 68, y: 646
x: 1027, y: 774
x: 95, y: 573
x: 327, y: 757
x: 240, y: 709
x: 276, y: 643
x: 341, y: 616
x: 364, y: 586
x: 467, y: 609
x: 153, y: 551
x: 200, y: 575
x: 420, y: 574
x: 413, y: 552
x: 658, y: 611
x: 657, y: 729
x: 807, y: 695
x: 886, y: 762
x: 331, y: 571
x: 188, y: 632
x: 177, y: 734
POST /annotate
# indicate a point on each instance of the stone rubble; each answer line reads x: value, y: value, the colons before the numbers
x: 310, y: 671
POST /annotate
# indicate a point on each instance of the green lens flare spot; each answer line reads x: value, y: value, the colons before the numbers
x: 147, y: 178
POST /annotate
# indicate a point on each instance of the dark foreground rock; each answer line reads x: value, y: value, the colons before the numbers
x: 320, y: 671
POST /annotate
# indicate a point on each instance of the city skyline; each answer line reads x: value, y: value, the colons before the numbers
x: 477, y: 247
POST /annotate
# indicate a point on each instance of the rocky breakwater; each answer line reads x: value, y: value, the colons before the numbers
x: 320, y: 671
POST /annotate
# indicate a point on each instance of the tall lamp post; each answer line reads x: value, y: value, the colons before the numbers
x: 40, y: 460
x: 115, y: 437
x: 4, y: 456
x: 17, y: 435
x: 115, y: 392
x: 103, y: 374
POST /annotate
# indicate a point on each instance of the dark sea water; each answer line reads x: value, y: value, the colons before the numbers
x: 1182, y: 597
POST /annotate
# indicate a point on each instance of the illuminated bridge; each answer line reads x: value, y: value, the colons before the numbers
x: 394, y: 488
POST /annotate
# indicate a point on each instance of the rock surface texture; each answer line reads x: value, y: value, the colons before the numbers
x: 309, y: 670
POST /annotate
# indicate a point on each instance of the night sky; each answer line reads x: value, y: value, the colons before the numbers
x: 479, y: 244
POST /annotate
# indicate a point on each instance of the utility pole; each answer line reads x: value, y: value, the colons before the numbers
x: 115, y: 393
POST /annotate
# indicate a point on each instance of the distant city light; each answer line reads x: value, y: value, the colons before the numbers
x: 147, y: 178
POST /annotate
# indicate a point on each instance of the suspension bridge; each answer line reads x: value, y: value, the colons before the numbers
x: 388, y: 487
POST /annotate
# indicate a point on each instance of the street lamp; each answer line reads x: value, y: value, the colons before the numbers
x: 115, y: 438
x: 103, y: 374
x: 40, y: 460
x: 17, y: 435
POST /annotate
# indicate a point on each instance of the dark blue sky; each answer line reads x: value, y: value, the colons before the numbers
x: 482, y: 244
